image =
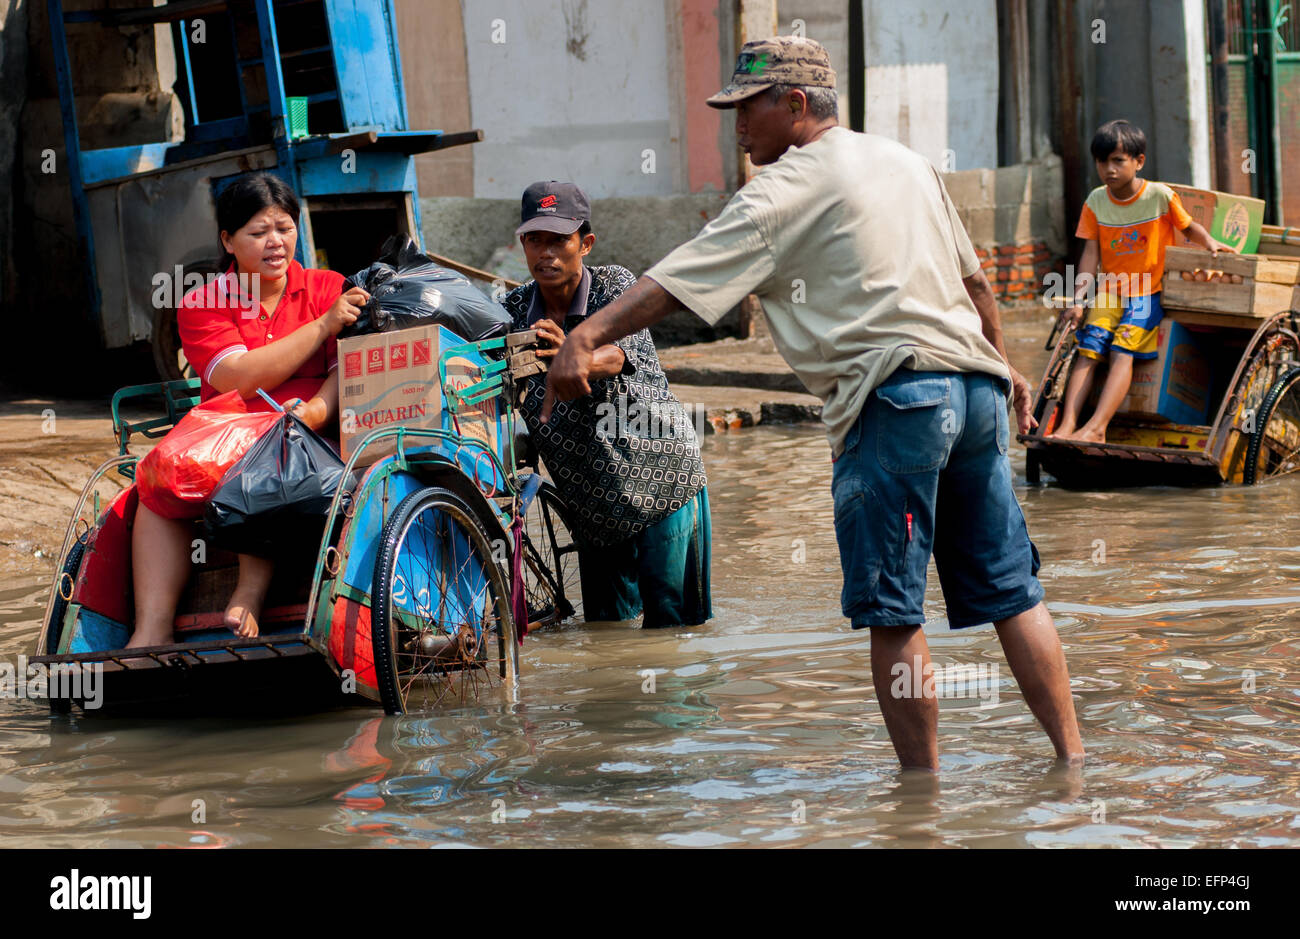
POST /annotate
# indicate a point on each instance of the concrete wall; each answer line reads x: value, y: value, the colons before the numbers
x: 932, y: 78
x: 1149, y: 70
x: 632, y: 231
x: 827, y: 22
x: 1012, y: 204
x: 575, y: 91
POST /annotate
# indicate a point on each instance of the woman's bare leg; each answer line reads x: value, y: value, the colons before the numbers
x: 160, y: 568
x: 250, y: 593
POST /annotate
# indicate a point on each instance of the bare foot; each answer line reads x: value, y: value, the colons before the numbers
x: 1090, y: 435
x: 148, y: 637
x: 1063, y: 431
x: 241, y: 617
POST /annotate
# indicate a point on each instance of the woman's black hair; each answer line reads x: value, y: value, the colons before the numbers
x: 1118, y: 135
x: 247, y: 196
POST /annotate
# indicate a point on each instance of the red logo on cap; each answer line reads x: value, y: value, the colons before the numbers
x: 547, y: 202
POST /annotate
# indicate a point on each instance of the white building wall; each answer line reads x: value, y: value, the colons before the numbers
x: 932, y: 78
x: 578, y: 91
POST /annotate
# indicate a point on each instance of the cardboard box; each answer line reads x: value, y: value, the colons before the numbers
x: 1175, y: 385
x: 387, y: 380
x: 1232, y: 219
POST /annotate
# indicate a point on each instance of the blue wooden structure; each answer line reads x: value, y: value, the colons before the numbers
x: 354, y: 173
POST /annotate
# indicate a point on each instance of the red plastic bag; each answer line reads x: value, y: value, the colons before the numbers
x: 177, y: 477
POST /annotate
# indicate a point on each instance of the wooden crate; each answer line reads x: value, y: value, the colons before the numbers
x: 1280, y: 242
x: 1266, y: 287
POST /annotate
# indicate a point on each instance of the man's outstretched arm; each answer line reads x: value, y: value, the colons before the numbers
x: 981, y: 294
x: 643, y: 304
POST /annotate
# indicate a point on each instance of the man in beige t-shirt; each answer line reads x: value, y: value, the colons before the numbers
x: 874, y: 296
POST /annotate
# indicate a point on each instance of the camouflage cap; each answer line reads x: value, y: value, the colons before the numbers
x: 781, y: 60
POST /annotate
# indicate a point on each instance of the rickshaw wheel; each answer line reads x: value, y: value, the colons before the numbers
x: 168, y: 356
x: 441, y: 628
x: 552, y: 581
x: 1274, y: 448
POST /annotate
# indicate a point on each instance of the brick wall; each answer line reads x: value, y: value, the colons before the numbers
x: 1016, y: 271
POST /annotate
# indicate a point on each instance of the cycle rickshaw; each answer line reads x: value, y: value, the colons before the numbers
x: 1228, y: 379
x: 429, y: 572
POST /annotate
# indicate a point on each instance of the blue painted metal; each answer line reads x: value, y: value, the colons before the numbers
x: 110, y: 163
x: 220, y: 130
x: 287, y: 165
x: 390, y: 22
x: 366, y: 64
x: 378, y: 172
x: 368, y: 77
x: 93, y: 632
x: 72, y: 156
x: 386, y: 487
x: 243, y: 92
x: 189, y: 74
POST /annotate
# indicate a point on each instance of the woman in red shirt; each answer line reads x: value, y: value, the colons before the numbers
x: 267, y: 323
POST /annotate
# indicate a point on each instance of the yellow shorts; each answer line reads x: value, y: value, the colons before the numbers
x: 1130, y: 325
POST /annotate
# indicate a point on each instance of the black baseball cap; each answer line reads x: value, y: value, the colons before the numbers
x: 554, y: 207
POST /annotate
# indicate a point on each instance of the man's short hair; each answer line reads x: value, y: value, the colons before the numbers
x: 584, y: 229
x: 822, y: 102
x: 1118, y: 135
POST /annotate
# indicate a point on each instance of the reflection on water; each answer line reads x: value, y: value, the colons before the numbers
x: 1177, y: 609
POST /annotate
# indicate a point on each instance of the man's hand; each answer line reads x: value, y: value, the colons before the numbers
x: 1022, y: 399
x: 553, y: 333
x: 567, y: 377
x: 1073, y: 315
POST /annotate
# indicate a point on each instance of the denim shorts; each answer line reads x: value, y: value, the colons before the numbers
x: 925, y: 470
x: 1130, y: 326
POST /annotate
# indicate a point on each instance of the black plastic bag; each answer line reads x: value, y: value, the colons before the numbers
x: 276, y: 497
x: 408, y: 288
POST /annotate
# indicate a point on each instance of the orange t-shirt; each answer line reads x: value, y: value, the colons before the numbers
x: 1133, y: 234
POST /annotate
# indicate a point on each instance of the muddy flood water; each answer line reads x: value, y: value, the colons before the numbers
x: 1178, y: 609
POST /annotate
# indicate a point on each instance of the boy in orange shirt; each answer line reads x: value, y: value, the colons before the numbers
x: 1128, y: 223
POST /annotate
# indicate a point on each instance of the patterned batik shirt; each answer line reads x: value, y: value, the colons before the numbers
x: 625, y: 456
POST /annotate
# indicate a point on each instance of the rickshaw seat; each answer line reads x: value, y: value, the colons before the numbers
x: 178, y: 397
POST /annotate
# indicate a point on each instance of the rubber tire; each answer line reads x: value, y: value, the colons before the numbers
x: 380, y: 594
x: 1280, y: 387
x: 550, y: 496
x: 54, y: 629
x: 165, y: 338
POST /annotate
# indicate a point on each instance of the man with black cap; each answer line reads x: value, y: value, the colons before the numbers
x: 625, y: 457
x: 875, y: 297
